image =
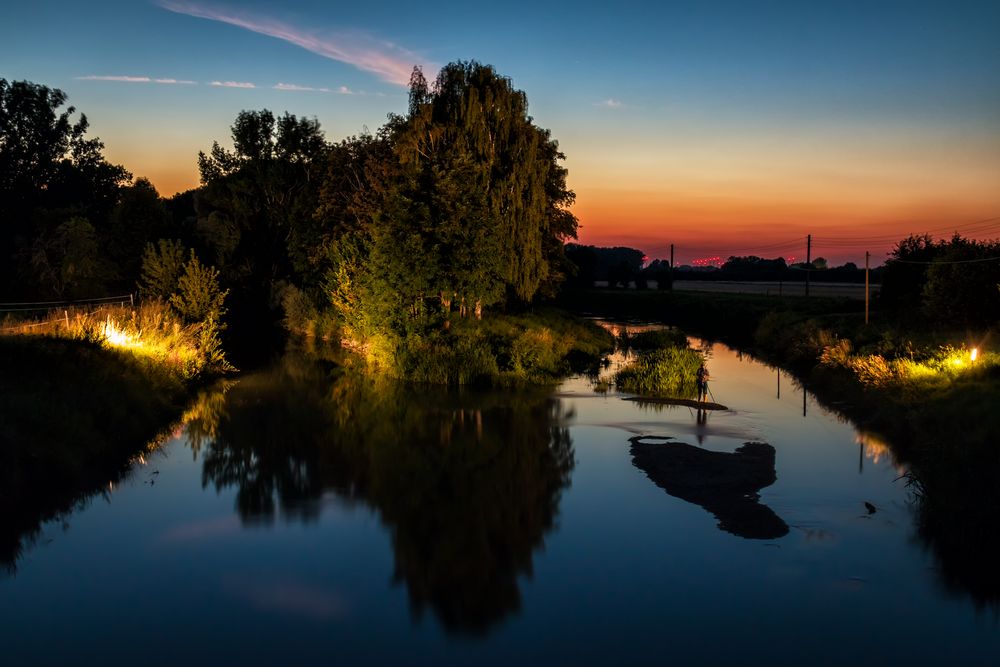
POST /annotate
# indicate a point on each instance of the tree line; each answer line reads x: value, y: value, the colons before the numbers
x: 456, y: 207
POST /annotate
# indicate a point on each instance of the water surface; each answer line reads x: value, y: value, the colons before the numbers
x: 308, y: 515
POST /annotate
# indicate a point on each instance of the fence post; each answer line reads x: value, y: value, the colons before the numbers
x: 131, y: 298
x: 66, y: 315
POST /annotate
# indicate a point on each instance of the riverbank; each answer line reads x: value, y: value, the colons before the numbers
x: 539, y: 346
x: 918, y: 384
x: 918, y: 389
x: 81, y: 399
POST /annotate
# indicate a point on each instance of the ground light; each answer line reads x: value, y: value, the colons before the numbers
x: 973, y: 354
x: 117, y: 337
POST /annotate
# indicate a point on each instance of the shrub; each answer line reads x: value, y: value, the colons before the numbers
x: 668, y: 372
x: 198, y: 297
x: 162, y: 267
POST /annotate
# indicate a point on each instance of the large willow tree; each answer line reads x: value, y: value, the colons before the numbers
x: 471, y: 211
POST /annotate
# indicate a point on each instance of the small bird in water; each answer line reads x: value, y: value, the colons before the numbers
x: 869, y: 507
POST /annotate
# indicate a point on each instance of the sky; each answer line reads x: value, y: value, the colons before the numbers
x: 724, y: 128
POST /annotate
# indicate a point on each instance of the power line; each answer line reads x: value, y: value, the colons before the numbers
x: 956, y: 261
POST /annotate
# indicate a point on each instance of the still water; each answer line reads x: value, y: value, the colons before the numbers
x: 306, y: 516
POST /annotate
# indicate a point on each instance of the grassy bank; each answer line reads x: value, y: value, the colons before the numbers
x: 536, y: 347
x: 80, y: 396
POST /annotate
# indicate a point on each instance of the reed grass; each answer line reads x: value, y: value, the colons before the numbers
x: 665, y: 366
x: 150, y: 331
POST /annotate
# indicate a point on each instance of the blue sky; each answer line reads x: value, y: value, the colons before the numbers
x: 758, y: 118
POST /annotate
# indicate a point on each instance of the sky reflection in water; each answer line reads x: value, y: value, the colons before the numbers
x: 324, y: 517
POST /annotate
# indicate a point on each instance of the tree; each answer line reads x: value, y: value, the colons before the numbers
x: 961, y: 284
x: 905, y: 272
x: 162, y: 267
x: 50, y: 173
x: 488, y: 183
x: 65, y: 261
x: 198, y: 297
x: 138, y: 218
x: 462, y: 203
x: 255, y: 211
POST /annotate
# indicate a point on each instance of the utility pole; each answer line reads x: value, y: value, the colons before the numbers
x: 867, y: 254
x: 671, y: 267
x: 809, y: 244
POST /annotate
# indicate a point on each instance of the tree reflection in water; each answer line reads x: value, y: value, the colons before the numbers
x: 468, y: 483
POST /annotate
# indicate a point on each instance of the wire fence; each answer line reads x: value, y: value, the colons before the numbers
x: 12, y: 312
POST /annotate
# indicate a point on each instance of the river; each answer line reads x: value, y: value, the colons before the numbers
x: 305, y: 515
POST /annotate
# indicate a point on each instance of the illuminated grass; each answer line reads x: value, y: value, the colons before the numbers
x: 668, y: 372
x: 150, y: 331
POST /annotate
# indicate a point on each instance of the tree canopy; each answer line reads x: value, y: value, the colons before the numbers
x: 461, y: 204
x: 55, y: 186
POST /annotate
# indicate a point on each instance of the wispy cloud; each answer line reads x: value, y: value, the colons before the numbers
x: 384, y: 59
x: 137, y: 79
x: 292, y: 87
x: 232, y: 84
x: 609, y: 103
x: 287, y: 596
x: 204, y: 529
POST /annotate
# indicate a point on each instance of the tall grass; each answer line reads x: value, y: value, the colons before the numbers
x: 536, y: 347
x: 150, y: 332
x: 667, y: 372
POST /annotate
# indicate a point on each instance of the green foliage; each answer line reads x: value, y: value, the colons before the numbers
x: 459, y: 206
x: 961, y: 283
x: 198, y: 297
x: 951, y: 282
x: 162, y: 267
x: 51, y: 175
x: 535, y: 347
x: 906, y: 272
x: 255, y: 211
x: 139, y: 216
x: 667, y: 372
x: 151, y: 331
x: 304, y: 317
x: 66, y: 260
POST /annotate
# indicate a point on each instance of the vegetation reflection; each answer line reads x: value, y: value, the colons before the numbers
x: 468, y: 483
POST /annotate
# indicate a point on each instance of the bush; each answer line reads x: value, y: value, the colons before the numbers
x: 198, y: 297
x: 667, y: 372
x: 162, y: 267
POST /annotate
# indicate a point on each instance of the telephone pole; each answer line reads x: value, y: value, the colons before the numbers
x: 809, y: 243
x: 867, y: 254
x: 671, y: 267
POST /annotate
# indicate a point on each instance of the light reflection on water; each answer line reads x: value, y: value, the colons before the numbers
x: 305, y: 514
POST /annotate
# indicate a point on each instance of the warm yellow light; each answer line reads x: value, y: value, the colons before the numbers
x: 117, y: 337
x: 974, y: 354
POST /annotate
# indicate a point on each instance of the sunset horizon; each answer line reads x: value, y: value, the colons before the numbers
x: 717, y: 132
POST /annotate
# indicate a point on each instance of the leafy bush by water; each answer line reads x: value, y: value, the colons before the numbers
x: 537, y: 347
x: 668, y: 372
